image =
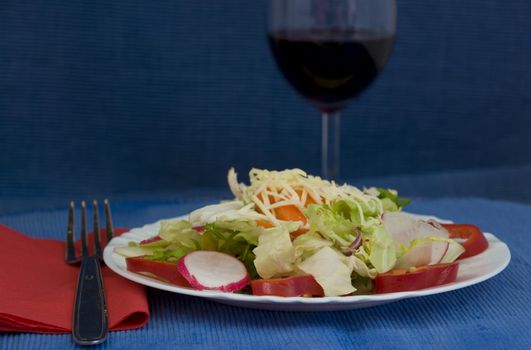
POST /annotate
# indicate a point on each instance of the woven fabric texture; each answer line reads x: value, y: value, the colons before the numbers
x: 490, y: 315
x: 142, y: 96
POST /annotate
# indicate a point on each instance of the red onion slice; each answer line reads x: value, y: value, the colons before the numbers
x: 355, y: 244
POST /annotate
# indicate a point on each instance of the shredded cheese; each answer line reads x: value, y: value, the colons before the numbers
x: 269, y: 190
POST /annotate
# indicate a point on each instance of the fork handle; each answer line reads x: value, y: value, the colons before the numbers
x: 90, y: 312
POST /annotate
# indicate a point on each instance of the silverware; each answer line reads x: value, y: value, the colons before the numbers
x: 89, y: 323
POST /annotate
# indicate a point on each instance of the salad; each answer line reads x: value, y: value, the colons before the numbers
x: 287, y: 233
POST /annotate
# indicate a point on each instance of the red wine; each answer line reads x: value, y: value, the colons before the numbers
x: 330, y: 67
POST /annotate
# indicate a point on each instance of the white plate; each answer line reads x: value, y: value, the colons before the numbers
x: 471, y: 271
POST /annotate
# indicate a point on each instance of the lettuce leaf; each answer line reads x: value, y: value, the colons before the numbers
x: 275, y: 253
x: 170, y: 254
x: 388, y: 205
x: 330, y: 270
x: 245, y: 231
x: 308, y: 243
x: 236, y: 238
x: 360, y: 267
x: 355, y: 211
x: 382, y: 250
x: 179, y: 233
x: 389, y: 196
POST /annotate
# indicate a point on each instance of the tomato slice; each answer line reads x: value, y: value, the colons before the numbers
x: 151, y: 240
x: 420, y: 278
x: 161, y: 270
x: 294, y: 286
x: 475, y: 243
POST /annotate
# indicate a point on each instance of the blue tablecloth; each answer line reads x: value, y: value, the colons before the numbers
x: 492, y: 314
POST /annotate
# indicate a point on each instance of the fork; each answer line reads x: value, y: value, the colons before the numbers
x: 89, y: 323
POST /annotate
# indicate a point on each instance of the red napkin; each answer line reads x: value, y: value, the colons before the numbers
x: 37, y: 288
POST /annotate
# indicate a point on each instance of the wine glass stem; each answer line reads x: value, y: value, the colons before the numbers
x: 330, y: 145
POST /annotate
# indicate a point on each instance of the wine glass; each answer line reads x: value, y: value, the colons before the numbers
x: 330, y: 51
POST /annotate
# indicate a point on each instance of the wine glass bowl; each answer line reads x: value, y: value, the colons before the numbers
x: 330, y: 51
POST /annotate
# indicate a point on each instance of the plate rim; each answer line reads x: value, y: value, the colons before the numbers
x: 109, y: 258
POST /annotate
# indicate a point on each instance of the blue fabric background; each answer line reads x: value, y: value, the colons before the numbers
x: 136, y: 96
x: 494, y: 314
x: 137, y: 99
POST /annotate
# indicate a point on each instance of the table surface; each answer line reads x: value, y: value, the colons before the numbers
x: 492, y: 314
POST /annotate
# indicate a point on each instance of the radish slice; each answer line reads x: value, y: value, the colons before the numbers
x: 438, y: 251
x: 400, y: 227
x: 213, y: 270
x: 403, y: 229
x: 427, y: 253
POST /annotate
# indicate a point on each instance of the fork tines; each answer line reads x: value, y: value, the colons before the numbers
x: 70, y: 235
x: 70, y: 247
x: 108, y: 220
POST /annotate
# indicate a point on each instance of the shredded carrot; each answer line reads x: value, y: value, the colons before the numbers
x: 292, y: 213
x: 309, y: 199
x: 287, y: 213
x: 264, y: 223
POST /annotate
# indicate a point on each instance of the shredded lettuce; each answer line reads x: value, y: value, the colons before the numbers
x: 331, y: 224
x: 226, y: 211
x: 355, y: 212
